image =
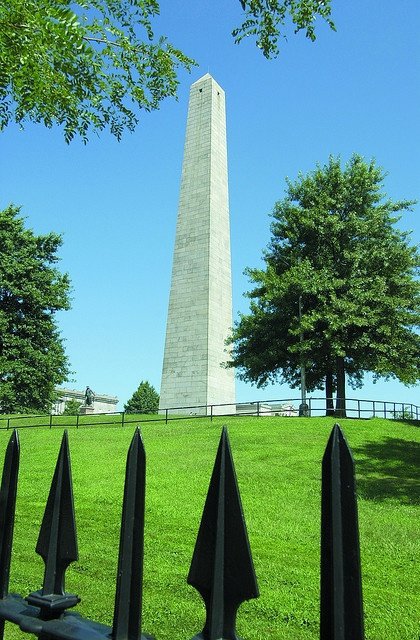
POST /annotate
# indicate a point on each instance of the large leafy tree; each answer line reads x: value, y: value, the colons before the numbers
x: 336, y: 247
x: 144, y: 400
x: 32, y: 290
x: 93, y: 64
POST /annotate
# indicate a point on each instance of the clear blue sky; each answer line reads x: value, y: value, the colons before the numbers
x: 356, y: 90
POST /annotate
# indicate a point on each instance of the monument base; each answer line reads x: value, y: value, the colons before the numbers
x: 86, y: 410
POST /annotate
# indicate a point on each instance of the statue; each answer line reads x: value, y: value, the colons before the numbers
x: 89, y: 397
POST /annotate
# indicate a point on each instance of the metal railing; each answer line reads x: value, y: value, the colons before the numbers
x: 221, y: 569
x: 316, y: 406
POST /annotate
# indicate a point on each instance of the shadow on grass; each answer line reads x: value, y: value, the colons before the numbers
x: 391, y: 469
x: 411, y: 422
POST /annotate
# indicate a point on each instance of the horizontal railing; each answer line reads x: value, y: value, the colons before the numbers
x: 286, y: 407
x: 357, y: 408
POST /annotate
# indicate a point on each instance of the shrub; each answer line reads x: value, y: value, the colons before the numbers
x: 72, y: 408
x: 144, y: 400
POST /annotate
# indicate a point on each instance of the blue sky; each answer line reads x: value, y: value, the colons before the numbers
x: 356, y: 90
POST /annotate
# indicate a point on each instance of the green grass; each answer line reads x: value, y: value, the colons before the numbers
x: 277, y: 462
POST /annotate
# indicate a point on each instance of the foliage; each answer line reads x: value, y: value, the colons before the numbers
x: 32, y: 290
x: 266, y: 19
x: 144, y: 400
x: 93, y: 64
x: 271, y: 471
x: 72, y: 407
x: 405, y: 414
x: 334, y: 245
x: 85, y: 65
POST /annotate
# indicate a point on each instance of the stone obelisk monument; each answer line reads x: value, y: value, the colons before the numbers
x: 200, y: 304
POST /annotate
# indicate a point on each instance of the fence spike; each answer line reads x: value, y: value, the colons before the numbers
x: 57, y: 541
x: 7, y: 513
x: 128, y: 595
x: 221, y: 569
x: 7, y: 509
x: 341, y: 584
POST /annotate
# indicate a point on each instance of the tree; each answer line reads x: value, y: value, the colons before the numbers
x: 32, y: 290
x: 83, y: 65
x: 92, y: 64
x: 334, y: 245
x: 144, y: 400
x: 72, y: 407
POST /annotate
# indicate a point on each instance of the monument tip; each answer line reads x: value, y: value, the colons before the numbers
x: 206, y: 76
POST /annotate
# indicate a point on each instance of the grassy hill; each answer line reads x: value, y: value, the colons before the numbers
x: 278, y: 467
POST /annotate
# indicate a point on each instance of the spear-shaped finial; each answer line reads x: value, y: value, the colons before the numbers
x: 7, y: 513
x: 7, y: 509
x: 128, y: 596
x: 221, y: 569
x: 341, y: 584
x: 57, y: 542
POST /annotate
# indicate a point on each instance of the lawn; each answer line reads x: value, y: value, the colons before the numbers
x: 277, y: 462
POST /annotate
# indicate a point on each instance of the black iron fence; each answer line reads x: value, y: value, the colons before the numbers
x: 221, y: 569
x: 356, y: 408
x: 288, y: 407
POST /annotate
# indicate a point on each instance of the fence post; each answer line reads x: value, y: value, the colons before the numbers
x: 128, y: 593
x: 57, y: 540
x: 166, y: 416
x: 50, y: 420
x: 211, y: 413
x: 8, y: 423
x: 309, y: 407
x: 221, y: 568
x: 258, y: 409
x: 358, y: 409
x: 374, y: 415
x: 384, y: 409
x: 7, y: 512
x: 77, y: 421
x: 122, y: 418
x: 341, y: 583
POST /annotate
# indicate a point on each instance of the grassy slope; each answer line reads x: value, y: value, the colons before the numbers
x: 278, y: 466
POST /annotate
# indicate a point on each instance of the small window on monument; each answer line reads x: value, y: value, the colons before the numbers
x: 200, y: 90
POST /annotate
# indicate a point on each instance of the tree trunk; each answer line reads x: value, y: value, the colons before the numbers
x: 329, y: 394
x: 340, y: 405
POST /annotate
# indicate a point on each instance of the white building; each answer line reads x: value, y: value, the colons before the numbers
x: 101, y: 404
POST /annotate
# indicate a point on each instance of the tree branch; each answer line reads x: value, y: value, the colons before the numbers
x: 102, y: 41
